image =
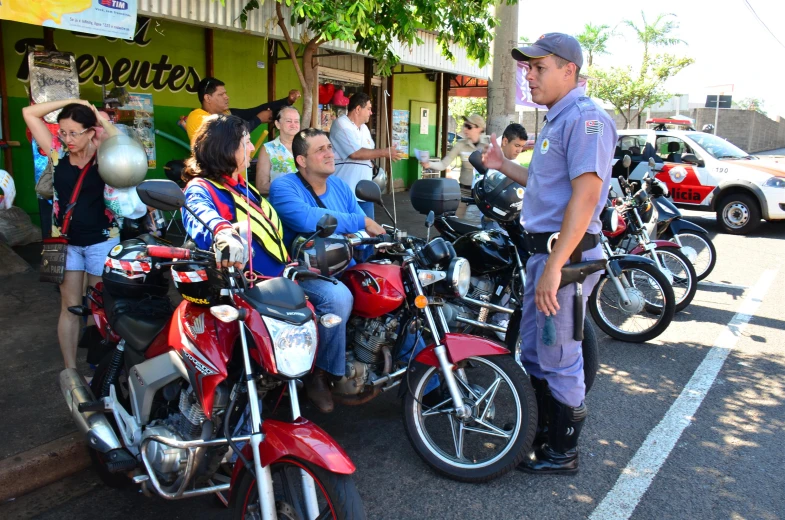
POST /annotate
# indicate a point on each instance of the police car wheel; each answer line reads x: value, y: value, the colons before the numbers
x: 738, y: 214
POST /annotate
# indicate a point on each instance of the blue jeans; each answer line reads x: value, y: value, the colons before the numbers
x: 333, y: 299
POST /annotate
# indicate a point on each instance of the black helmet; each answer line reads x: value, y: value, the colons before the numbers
x: 498, y: 197
x: 130, y: 273
x: 335, y: 250
x: 197, y: 284
x: 708, y: 128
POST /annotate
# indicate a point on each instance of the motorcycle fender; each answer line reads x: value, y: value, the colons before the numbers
x: 659, y: 243
x: 680, y: 226
x: 460, y: 347
x: 301, y: 440
x: 619, y: 262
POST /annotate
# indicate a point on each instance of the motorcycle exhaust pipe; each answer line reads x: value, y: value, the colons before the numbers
x: 95, y: 425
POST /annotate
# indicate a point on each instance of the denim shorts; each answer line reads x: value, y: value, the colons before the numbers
x: 89, y: 258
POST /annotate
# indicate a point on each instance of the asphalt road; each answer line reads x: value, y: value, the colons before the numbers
x: 635, y: 460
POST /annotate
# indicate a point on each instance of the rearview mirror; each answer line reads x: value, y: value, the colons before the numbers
x: 161, y: 194
x: 476, y: 160
x: 327, y: 224
x: 368, y: 191
x: 692, y: 159
x: 626, y: 161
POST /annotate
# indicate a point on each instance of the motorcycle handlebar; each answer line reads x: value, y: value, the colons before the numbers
x: 179, y: 253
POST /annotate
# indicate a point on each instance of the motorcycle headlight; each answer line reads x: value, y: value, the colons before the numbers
x: 459, y: 275
x: 775, y: 182
x: 294, y: 346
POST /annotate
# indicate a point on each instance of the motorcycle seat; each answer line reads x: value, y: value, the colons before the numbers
x: 462, y: 227
x: 280, y: 298
x: 136, y: 326
x: 577, y: 273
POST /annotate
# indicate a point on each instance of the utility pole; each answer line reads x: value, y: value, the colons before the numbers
x: 501, y: 88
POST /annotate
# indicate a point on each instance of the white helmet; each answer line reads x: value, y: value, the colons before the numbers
x: 122, y: 161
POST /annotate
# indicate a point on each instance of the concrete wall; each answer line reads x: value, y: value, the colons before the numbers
x: 749, y: 130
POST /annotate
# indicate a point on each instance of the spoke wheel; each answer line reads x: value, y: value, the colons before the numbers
x: 337, y: 496
x: 679, y: 270
x: 643, y: 322
x: 705, y: 253
x: 489, y: 443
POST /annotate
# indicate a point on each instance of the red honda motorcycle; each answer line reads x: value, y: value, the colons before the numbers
x: 469, y: 409
x: 179, y: 395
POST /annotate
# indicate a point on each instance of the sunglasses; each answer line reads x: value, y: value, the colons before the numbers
x: 469, y: 126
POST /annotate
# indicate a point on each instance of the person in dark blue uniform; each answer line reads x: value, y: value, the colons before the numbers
x: 566, y: 184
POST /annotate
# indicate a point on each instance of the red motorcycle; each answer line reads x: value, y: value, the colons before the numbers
x: 469, y: 409
x: 168, y: 407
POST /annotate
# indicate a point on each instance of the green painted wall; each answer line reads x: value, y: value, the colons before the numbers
x: 406, y: 89
x: 100, y: 59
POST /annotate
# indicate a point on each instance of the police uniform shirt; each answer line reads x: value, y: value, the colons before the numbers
x: 578, y: 137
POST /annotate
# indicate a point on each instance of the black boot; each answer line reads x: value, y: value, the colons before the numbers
x: 558, y: 456
x: 543, y: 395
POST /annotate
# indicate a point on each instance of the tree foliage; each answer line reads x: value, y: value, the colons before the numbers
x: 751, y: 103
x: 466, y: 106
x: 632, y: 91
x: 374, y: 25
x: 594, y: 40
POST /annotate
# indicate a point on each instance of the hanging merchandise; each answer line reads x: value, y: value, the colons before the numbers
x: 340, y: 99
x: 137, y: 114
x: 53, y: 77
x: 326, y: 92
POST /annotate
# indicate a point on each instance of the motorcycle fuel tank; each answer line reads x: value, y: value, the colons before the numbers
x: 377, y: 289
x: 487, y: 251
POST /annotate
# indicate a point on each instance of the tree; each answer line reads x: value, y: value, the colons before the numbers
x: 465, y: 106
x: 373, y: 25
x: 632, y: 92
x: 594, y: 40
x: 751, y: 103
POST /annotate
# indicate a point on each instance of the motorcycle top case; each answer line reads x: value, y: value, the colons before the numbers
x: 437, y: 195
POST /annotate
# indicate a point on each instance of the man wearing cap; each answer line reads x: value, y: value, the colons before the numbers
x: 474, y: 137
x: 566, y: 185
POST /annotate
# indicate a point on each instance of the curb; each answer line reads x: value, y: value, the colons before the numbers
x: 42, y: 465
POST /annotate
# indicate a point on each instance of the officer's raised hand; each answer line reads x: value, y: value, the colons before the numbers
x: 493, y: 158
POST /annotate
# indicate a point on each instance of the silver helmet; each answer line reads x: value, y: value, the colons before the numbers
x: 122, y: 161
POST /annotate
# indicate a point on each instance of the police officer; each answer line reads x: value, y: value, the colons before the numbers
x: 566, y: 185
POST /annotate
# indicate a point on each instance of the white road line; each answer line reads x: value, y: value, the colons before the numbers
x: 623, y: 498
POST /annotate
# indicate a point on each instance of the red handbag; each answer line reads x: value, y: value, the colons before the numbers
x: 53, y: 254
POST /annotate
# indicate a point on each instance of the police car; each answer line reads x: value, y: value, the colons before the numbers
x: 706, y: 173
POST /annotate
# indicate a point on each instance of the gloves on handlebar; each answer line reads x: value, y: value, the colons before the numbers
x: 231, y: 246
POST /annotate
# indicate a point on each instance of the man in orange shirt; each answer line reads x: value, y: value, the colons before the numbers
x: 215, y: 100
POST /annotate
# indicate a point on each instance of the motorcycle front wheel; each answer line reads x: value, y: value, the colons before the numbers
x: 705, y: 253
x: 486, y: 445
x: 590, y: 348
x: 336, y: 494
x: 681, y: 272
x: 651, y: 309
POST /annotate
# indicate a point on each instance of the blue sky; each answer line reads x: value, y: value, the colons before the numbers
x: 729, y: 45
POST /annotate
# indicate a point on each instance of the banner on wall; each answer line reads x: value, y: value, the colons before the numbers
x: 139, y: 118
x: 523, y: 94
x: 400, y: 132
x: 113, y: 18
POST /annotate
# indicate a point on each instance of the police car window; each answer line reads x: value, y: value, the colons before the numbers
x: 671, y: 148
x: 718, y: 148
x: 630, y: 145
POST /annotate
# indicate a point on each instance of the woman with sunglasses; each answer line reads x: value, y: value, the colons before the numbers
x: 275, y: 157
x: 473, y: 139
x: 93, y: 231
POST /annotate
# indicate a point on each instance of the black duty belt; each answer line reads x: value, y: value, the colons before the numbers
x: 543, y: 243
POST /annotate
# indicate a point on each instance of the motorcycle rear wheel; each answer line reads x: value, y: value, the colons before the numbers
x: 337, y: 496
x: 658, y: 309
x: 589, y: 347
x: 440, y: 438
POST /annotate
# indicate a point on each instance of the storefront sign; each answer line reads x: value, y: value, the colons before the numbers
x: 123, y: 72
x: 116, y: 18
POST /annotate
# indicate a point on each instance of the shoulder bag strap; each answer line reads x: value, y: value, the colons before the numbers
x: 69, y: 210
x: 310, y: 190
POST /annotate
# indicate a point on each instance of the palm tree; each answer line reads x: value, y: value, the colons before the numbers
x: 655, y: 34
x: 593, y: 40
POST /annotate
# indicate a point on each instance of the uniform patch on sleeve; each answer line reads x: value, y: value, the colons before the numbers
x: 594, y: 127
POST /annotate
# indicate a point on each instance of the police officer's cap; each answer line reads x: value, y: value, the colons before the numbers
x: 558, y: 44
